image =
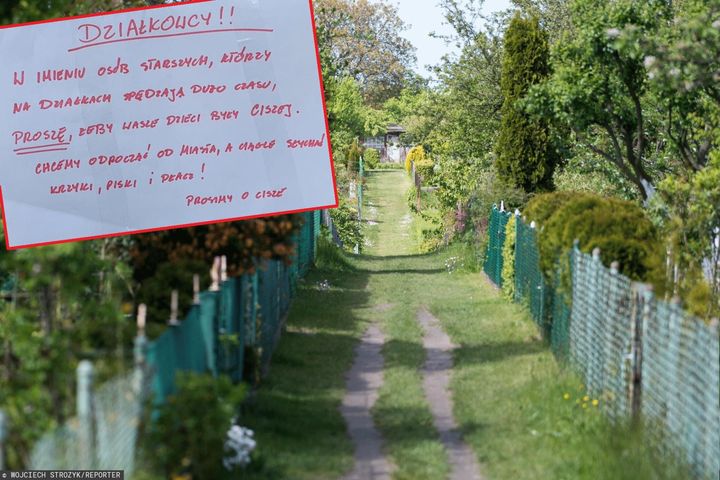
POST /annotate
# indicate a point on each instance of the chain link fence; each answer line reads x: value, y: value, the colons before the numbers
x: 641, y: 356
x: 242, y: 313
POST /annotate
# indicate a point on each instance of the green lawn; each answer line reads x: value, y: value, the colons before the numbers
x: 509, y: 391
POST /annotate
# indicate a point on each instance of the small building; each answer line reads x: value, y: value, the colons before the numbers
x: 389, y: 145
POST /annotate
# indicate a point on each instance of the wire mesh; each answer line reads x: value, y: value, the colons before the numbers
x: 638, y: 355
x: 680, y: 383
x: 530, y: 287
x: 602, y: 333
x: 105, y: 441
x: 246, y: 312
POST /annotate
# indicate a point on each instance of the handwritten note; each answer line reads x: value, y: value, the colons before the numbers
x: 160, y: 118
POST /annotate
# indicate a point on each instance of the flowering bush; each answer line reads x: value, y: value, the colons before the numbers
x: 189, y: 434
x: 238, y: 447
x: 414, y: 155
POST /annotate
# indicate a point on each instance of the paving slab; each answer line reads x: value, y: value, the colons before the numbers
x: 436, y: 384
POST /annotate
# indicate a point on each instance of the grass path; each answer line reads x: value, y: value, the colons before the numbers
x: 509, y: 393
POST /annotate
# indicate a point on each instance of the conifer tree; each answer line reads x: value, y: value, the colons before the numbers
x: 526, y: 157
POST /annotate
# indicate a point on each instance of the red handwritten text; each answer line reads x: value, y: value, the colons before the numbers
x: 193, y: 200
x: 78, y: 187
x: 22, y: 137
x: 59, y: 166
x: 245, y: 56
x: 265, y: 110
x: 170, y: 94
x: 99, y: 129
x: 75, y: 101
x: 173, y: 63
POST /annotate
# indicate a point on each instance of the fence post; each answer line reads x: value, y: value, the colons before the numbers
x: 86, y: 428
x: 592, y: 381
x: 173, y: 322
x: 140, y: 350
x: 640, y: 326
x: 4, y: 428
x: 215, y: 275
x: 196, y: 289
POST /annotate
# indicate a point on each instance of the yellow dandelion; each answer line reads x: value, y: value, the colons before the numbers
x: 595, y: 403
x: 586, y: 398
x: 566, y: 396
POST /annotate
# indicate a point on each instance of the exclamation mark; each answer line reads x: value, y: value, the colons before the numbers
x: 222, y: 14
x: 202, y: 171
x: 232, y: 14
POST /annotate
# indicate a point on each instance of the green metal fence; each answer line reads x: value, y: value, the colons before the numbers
x: 244, y: 312
x: 547, y: 304
x: 496, y: 233
x: 642, y: 357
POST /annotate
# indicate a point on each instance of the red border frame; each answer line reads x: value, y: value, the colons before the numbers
x: 197, y: 224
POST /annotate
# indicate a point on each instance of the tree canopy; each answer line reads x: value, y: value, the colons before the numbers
x: 363, y: 40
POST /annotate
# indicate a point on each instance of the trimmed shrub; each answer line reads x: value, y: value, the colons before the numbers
x: 543, y: 206
x: 508, y: 254
x: 620, y: 229
x: 414, y: 156
x: 372, y: 158
x: 424, y: 167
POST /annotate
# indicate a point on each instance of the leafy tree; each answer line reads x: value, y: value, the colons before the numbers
x: 553, y: 15
x: 689, y: 206
x: 526, y: 157
x: 467, y: 104
x: 363, y: 40
x: 62, y: 304
x: 598, y: 87
x: 683, y: 63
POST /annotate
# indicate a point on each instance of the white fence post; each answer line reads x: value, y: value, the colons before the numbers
x: 85, y: 412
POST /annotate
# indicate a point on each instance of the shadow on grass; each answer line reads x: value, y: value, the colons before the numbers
x: 295, y: 411
x: 413, y: 271
x: 465, y: 355
x: 376, y: 258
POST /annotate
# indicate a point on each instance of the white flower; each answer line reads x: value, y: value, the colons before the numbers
x: 613, y: 32
x: 650, y: 61
x: 238, y: 446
